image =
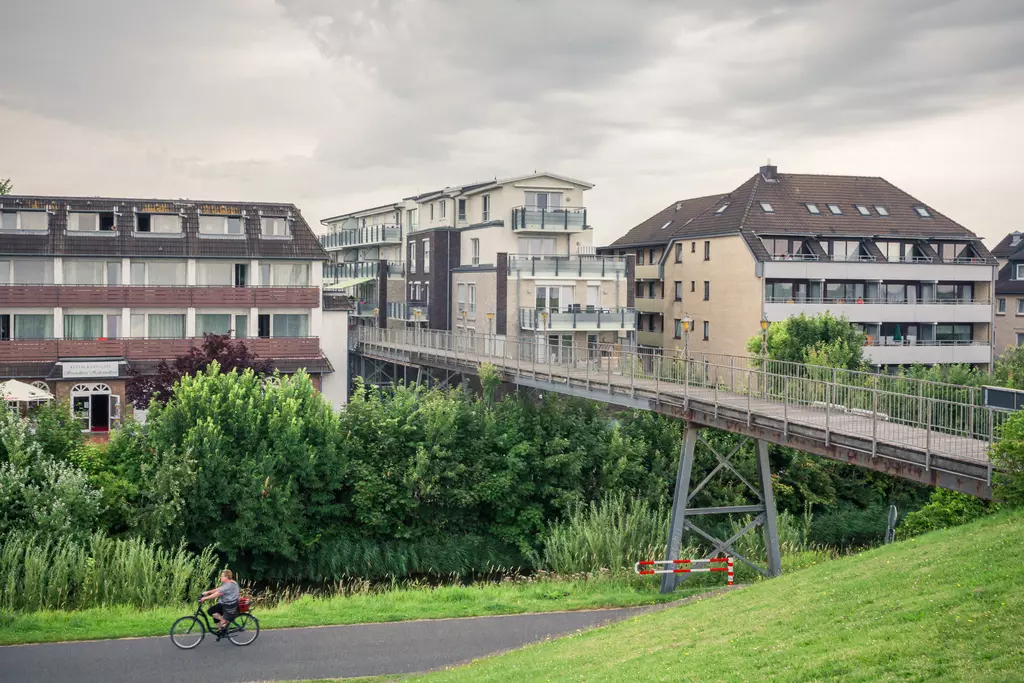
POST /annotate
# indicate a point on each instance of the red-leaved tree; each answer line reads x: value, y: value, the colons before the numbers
x: 231, y: 354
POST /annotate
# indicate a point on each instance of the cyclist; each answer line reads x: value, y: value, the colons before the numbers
x: 227, y: 608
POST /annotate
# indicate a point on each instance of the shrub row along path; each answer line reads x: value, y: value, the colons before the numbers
x: 297, y: 653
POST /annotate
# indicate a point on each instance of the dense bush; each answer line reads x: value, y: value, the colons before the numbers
x: 1008, y: 456
x: 70, y: 574
x: 945, y: 509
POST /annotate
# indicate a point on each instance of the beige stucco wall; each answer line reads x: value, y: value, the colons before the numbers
x: 1008, y: 325
x: 486, y: 301
x: 734, y: 308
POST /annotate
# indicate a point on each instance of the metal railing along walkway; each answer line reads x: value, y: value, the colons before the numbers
x: 924, y: 431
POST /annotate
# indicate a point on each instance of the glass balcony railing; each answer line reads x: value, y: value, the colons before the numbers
x: 577, y: 318
x: 567, y: 266
x: 545, y: 219
x: 362, y: 237
x: 335, y: 272
x: 410, y: 312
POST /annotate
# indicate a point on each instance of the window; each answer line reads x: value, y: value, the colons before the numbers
x: 213, y: 273
x: 707, y: 291
x: 720, y: 210
x: 426, y: 256
x: 953, y: 333
x: 650, y: 256
x: 650, y: 289
x: 693, y: 286
x: 640, y: 257
x: 667, y: 223
x: 461, y: 305
x: 264, y: 274
x: 241, y: 326
x: 213, y: 323
x: 166, y: 326
x: 1020, y: 272
x: 83, y: 326
x: 462, y: 209
x: 693, y: 247
x: 412, y: 257
x: 167, y: 223
x: 881, y: 210
x: 922, y: 212
x: 1020, y: 306
x: 221, y: 225
x: 1001, y: 306
x: 412, y: 218
x: 263, y: 326
x: 767, y: 207
x: 472, y: 299
x: 274, y: 227
x: 538, y: 246
x: 474, y: 244
x: 639, y: 286
x: 90, y: 222
x: 845, y: 250
x: 679, y: 291
x: 863, y: 210
x: 431, y: 211
x: 156, y: 273
x: 778, y: 292
x: 543, y: 200
x: 290, y: 325
x: 813, y: 208
x: 678, y: 334
x: 593, y: 296
x: 443, y: 204
x: 26, y: 272
x: 707, y: 250
x: 486, y: 202
x: 81, y: 272
x: 33, y: 326
x: 679, y: 252
x: 890, y: 250
x: 707, y: 330
x: 1020, y: 338
x: 289, y: 274
x: 24, y: 220
x: 835, y: 209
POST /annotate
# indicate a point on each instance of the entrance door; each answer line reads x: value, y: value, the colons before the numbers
x: 99, y: 412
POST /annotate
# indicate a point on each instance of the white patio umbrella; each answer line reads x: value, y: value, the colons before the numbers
x: 19, y: 392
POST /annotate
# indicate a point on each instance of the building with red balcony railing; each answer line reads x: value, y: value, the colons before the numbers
x: 93, y: 290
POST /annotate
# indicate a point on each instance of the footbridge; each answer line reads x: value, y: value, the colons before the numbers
x: 926, y: 432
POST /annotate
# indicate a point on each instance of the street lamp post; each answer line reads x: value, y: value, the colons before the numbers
x: 764, y: 354
x: 465, y: 331
x: 416, y: 324
x: 490, y: 332
x: 687, y: 326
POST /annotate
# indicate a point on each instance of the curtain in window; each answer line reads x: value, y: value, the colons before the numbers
x: 292, y: 325
x: 85, y: 272
x: 83, y: 326
x: 241, y: 326
x: 213, y: 323
x: 213, y: 273
x: 32, y: 272
x: 84, y: 222
x: 165, y: 223
x: 33, y: 220
x: 33, y: 327
x: 291, y: 275
x: 166, y: 272
x: 166, y: 326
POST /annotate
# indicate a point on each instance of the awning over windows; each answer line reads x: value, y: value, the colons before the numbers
x: 350, y: 282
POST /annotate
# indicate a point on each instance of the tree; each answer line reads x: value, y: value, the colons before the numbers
x: 6, y: 186
x: 817, y: 340
x: 1008, y: 457
x: 229, y: 354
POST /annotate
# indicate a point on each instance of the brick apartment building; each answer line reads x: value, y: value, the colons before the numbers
x: 92, y: 289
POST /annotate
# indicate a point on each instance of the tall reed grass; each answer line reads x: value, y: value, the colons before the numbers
x: 100, y: 571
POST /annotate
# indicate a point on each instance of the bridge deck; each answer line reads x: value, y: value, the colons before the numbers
x: 741, y: 399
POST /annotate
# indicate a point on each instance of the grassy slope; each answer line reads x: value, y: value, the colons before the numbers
x: 945, y: 606
x: 395, y: 605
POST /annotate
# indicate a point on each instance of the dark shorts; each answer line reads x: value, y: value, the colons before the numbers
x: 229, y: 612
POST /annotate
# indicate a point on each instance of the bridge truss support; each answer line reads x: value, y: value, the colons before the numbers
x: 682, y: 514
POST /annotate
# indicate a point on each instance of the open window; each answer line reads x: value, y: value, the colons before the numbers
x: 80, y: 221
x: 160, y: 223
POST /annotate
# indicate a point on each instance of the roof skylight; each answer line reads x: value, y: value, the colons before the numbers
x: 922, y: 212
x: 864, y: 211
x: 835, y: 209
x: 666, y: 225
x: 882, y: 211
x: 767, y: 208
x: 813, y: 208
x: 720, y: 210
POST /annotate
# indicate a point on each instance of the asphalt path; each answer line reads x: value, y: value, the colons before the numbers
x: 297, y: 653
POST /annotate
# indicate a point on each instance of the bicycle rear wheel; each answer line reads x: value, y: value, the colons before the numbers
x: 243, y: 629
x: 187, y: 632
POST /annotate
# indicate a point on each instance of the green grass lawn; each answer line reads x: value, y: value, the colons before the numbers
x: 948, y: 606
x: 392, y: 605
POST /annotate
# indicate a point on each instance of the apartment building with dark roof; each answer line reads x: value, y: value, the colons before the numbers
x: 94, y: 289
x: 1009, y: 303
x: 919, y: 283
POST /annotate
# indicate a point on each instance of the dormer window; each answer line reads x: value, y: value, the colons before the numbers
x: 271, y: 226
x: 91, y: 222
x: 922, y: 212
x: 221, y: 225
x: 167, y: 223
x: 863, y: 210
x: 720, y: 210
x: 24, y: 220
x: 1020, y: 272
x: 813, y: 208
x: 882, y: 211
x: 767, y: 208
x: 835, y: 209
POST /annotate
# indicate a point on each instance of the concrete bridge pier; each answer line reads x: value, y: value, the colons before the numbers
x: 682, y: 514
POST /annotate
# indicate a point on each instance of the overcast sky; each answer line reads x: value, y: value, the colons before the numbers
x: 336, y: 105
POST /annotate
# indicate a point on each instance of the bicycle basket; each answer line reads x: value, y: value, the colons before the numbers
x: 243, y: 604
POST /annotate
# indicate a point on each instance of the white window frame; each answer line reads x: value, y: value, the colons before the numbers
x: 106, y: 272
x: 812, y: 208
x: 1020, y: 271
x: 460, y: 299
x: 17, y: 220
x: 1001, y: 306
x: 156, y: 215
x: 474, y: 244
x: 280, y: 226
x: 211, y: 218
x: 412, y: 257
x: 766, y: 207
x: 835, y: 209
x: 485, y: 211
x: 471, y: 293
x: 444, y: 210
x: 707, y: 330
x: 1020, y: 306
x: 146, y: 263
x: 881, y: 210
x: 462, y: 206
x: 862, y: 209
x: 7, y: 270
x: 426, y: 256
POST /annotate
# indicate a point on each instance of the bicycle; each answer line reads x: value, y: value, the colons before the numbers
x: 188, y: 631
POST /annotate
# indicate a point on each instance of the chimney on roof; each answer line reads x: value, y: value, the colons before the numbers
x: 679, y: 205
x: 770, y: 173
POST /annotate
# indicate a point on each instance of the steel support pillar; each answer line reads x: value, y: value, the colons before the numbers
x: 682, y: 512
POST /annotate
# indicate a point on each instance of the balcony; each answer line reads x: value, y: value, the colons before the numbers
x: 577, y: 319
x: 20, y: 350
x: 876, y: 270
x: 648, y: 305
x: 340, y: 273
x: 648, y: 338
x: 409, y: 312
x: 548, y: 220
x: 14, y: 296
x: 882, y: 311
x: 362, y: 237
x: 909, y: 352
x: 578, y: 267
x: 649, y: 272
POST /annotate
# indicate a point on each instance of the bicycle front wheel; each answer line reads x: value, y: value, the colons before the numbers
x: 243, y: 629
x: 187, y: 632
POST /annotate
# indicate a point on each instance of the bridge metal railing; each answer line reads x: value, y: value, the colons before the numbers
x: 947, y: 419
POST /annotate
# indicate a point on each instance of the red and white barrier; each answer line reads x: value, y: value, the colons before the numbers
x: 688, y: 566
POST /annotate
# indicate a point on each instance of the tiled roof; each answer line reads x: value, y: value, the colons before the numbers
x: 58, y: 241
x: 663, y: 225
x: 1008, y: 249
x: 1005, y: 284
